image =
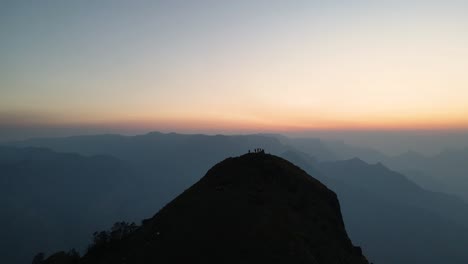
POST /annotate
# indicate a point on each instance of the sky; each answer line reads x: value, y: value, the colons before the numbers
x: 72, y: 67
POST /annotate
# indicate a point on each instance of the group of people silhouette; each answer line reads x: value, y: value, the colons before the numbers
x: 257, y: 150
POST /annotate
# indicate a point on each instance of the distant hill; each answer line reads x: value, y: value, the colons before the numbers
x: 446, y: 171
x: 155, y: 145
x: 343, y: 151
x: 52, y: 200
x: 256, y: 208
x: 391, y: 185
x: 443, y: 172
x: 314, y: 147
x: 399, y: 214
x: 178, y: 159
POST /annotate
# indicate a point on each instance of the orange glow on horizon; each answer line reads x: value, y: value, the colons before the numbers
x: 254, y: 125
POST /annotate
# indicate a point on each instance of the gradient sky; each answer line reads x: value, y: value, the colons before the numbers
x: 233, y: 65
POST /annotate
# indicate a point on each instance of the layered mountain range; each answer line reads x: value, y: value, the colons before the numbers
x: 58, y: 191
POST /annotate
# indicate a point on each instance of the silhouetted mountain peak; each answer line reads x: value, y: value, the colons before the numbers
x: 254, y: 169
x: 256, y: 208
